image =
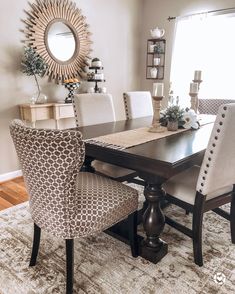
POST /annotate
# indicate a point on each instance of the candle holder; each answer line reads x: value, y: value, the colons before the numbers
x: 198, y: 82
x: 194, y: 97
x: 194, y: 101
x: 156, y: 126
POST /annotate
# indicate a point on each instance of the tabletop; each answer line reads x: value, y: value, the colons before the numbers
x: 164, y: 156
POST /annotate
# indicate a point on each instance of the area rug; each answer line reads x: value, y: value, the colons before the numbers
x: 105, y: 265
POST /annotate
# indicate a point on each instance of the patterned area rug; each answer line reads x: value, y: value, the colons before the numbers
x: 105, y: 265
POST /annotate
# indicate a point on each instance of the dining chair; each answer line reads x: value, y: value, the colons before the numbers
x: 138, y: 104
x: 63, y: 201
x: 91, y: 109
x: 200, y: 189
x: 211, y: 106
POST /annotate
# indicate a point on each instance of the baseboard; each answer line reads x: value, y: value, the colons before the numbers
x: 10, y: 176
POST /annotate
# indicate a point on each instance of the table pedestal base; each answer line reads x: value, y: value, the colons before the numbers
x: 154, y: 254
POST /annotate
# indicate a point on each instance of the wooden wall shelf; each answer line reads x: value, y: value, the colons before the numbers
x: 156, y: 49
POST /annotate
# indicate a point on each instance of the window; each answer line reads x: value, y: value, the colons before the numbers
x: 204, y: 42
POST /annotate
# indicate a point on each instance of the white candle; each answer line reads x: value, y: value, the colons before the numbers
x: 193, y: 88
x: 154, y: 89
x: 158, y: 89
x: 197, y: 75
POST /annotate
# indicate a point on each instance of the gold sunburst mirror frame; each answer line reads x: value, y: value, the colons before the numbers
x: 39, y: 21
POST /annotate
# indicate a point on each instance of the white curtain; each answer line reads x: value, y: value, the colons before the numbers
x: 207, y: 43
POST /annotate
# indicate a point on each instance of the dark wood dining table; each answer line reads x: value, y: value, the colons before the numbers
x: 155, y: 162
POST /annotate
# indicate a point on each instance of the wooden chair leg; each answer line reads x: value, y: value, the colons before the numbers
x: 69, y: 265
x: 132, y: 227
x: 36, y: 243
x: 232, y: 219
x: 197, y: 229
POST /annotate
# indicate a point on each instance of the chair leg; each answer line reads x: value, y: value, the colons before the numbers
x: 232, y: 219
x: 132, y: 227
x: 36, y: 243
x: 69, y: 265
x: 197, y: 229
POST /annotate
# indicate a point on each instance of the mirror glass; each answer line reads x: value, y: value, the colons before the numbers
x: 61, y: 41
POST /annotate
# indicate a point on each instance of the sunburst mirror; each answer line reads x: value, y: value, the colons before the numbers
x: 57, y: 31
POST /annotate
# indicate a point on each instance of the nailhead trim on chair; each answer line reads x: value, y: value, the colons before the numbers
x: 211, y: 151
x: 75, y: 112
x: 126, y: 106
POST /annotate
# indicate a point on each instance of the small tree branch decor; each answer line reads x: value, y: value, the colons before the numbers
x: 33, y: 65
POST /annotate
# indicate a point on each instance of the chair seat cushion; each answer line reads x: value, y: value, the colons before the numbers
x: 111, y: 170
x: 183, y: 186
x: 100, y: 203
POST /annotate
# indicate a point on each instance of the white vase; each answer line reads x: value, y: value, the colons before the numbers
x: 153, y: 72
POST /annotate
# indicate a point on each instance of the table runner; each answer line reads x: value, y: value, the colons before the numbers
x: 127, y: 139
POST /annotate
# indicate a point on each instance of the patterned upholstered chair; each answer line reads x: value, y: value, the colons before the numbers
x: 63, y: 201
x: 200, y: 189
x: 138, y: 104
x: 211, y: 106
x: 92, y: 109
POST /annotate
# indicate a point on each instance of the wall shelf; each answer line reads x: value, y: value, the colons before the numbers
x: 155, y: 61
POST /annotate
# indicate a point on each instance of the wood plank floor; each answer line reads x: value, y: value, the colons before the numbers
x: 12, y: 192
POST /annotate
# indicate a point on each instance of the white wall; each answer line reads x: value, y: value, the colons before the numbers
x: 115, y: 25
x: 155, y: 13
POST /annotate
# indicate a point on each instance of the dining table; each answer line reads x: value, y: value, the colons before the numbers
x: 155, y: 162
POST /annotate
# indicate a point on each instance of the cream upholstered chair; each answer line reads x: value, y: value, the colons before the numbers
x: 138, y: 104
x: 200, y: 189
x: 211, y: 106
x: 92, y: 109
x: 63, y: 201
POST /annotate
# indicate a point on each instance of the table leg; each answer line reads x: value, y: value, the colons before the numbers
x: 87, y: 165
x: 57, y: 124
x: 152, y: 247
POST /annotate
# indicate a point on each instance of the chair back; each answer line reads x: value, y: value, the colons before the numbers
x: 50, y: 161
x: 218, y: 166
x: 92, y: 109
x: 138, y: 104
x: 211, y: 106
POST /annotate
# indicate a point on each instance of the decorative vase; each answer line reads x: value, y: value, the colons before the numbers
x: 172, y: 126
x: 71, y: 87
x: 153, y: 72
x: 38, y: 98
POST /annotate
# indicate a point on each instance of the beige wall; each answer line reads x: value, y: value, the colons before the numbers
x: 115, y: 25
x: 156, y: 12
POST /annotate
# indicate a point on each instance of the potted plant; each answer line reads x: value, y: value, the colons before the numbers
x: 173, y: 115
x: 34, y: 65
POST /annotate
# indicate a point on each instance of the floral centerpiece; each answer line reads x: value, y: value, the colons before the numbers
x: 174, y: 117
x: 190, y: 119
x: 171, y: 117
x: 34, y: 65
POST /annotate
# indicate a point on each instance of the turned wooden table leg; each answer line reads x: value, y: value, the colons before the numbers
x: 152, y: 247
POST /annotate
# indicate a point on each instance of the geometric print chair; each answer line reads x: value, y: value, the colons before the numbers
x: 63, y: 201
x: 138, y: 104
x: 200, y: 189
x: 211, y: 106
x: 93, y: 109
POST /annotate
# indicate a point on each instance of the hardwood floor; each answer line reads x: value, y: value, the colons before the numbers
x: 12, y: 192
